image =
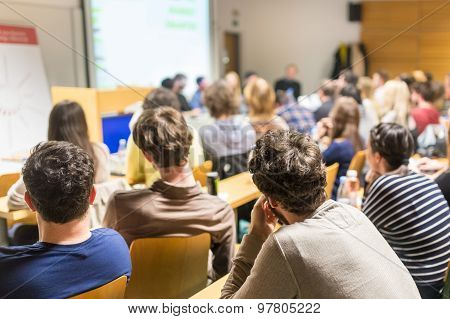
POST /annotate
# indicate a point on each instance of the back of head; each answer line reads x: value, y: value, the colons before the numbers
x: 383, y: 74
x: 161, y: 97
x: 438, y: 92
x: 58, y: 177
x: 163, y: 134
x: 352, y: 91
x: 260, y: 97
x: 345, y: 117
x: 365, y: 86
x: 419, y: 76
x: 328, y: 88
x: 67, y: 122
x: 287, y: 167
x: 393, y: 142
x: 396, y: 96
x: 424, y: 89
x: 219, y: 99
x: 167, y: 83
x: 350, y: 77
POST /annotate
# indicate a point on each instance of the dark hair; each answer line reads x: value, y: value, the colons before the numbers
x: 67, y: 122
x: 393, y: 142
x: 58, y: 177
x: 345, y: 117
x: 350, y: 77
x: 438, y: 90
x: 163, y: 134
x: 407, y: 78
x: 161, y: 97
x: 287, y: 167
x: 328, y: 88
x: 384, y: 74
x: 219, y: 99
x: 199, y: 80
x: 167, y: 83
x: 179, y: 76
x: 424, y: 89
x: 351, y: 90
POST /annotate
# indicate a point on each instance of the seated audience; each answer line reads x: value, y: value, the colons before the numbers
x: 425, y: 112
x: 69, y: 259
x: 229, y: 139
x: 174, y: 205
x: 289, y: 83
x: 324, y: 249
x: 407, y: 208
x: 326, y: 94
x: 67, y: 122
x: 380, y: 78
x: 197, y: 99
x: 297, y: 117
x: 341, y: 135
x: 234, y: 81
x: 395, y: 105
x: 138, y: 170
x: 260, y: 99
x: 179, y: 83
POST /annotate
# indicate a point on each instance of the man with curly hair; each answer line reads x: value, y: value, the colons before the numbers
x: 69, y: 258
x: 324, y: 250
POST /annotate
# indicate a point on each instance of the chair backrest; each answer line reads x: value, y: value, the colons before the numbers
x: 358, y: 162
x: 112, y: 290
x: 201, y: 171
x: 6, y: 181
x: 332, y: 172
x: 446, y: 291
x: 168, y: 267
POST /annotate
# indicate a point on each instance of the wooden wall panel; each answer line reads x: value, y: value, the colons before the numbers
x: 425, y: 46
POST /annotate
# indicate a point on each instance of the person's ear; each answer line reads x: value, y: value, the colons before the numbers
x: 148, y: 157
x: 27, y: 198
x: 92, y: 195
x: 377, y: 157
x: 273, y: 203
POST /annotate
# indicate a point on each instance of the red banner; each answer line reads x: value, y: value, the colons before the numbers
x: 18, y: 35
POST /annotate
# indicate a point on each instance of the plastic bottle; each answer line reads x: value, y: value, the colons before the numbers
x: 348, y: 189
x: 122, y: 149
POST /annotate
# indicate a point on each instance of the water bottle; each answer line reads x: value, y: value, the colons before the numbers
x: 348, y: 189
x: 122, y: 149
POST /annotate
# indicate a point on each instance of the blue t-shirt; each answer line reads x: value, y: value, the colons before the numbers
x: 342, y: 153
x: 46, y: 270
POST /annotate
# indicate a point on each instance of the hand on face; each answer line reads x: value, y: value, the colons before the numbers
x: 263, y: 221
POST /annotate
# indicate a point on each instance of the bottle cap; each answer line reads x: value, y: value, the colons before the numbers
x: 213, y: 174
x: 352, y: 174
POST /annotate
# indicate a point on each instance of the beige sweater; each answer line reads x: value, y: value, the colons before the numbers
x: 337, y: 253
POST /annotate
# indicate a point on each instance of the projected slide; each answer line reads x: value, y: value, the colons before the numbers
x: 143, y: 41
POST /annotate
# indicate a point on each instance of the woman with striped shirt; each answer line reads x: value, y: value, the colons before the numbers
x: 408, y: 209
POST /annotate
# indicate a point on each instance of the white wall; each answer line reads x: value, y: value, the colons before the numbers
x: 277, y: 32
x: 63, y: 20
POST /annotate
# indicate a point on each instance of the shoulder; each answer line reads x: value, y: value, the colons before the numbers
x: 214, y: 201
x: 130, y: 199
x: 101, y: 149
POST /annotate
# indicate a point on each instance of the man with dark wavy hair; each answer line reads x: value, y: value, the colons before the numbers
x: 69, y: 258
x: 324, y: 250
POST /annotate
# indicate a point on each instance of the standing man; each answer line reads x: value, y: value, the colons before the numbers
x: 289, y: 83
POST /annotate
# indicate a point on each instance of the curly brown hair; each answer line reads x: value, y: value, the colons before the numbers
x: 219, y: 99
x: 287, y: 166
x: 164, y: 135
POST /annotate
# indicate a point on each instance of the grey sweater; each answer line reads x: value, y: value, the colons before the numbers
x: 337, y: 253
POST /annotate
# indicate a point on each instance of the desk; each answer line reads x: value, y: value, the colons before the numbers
x: 12, y: 216
x: 213, y: 291
x: 238, y: 190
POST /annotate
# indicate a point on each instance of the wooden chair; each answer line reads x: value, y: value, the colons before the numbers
x: 6, y: 181
x: 112, y: 290
x: 201, y: 171
x: 332, y: 172
x: 358, y: 162
x: 169, y: 267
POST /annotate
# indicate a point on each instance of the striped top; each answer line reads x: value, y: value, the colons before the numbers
x: 413, y: 216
